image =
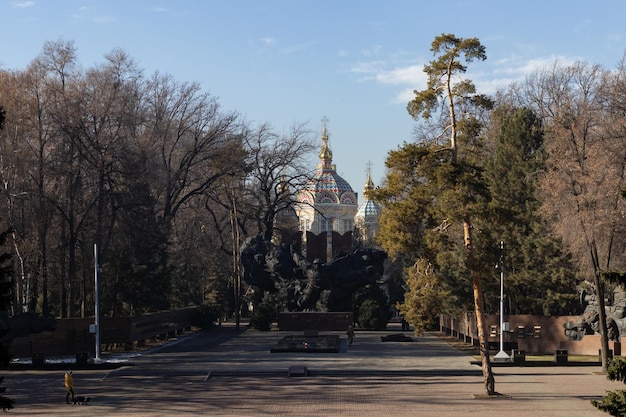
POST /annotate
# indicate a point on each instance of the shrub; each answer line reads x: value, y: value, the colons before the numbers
x: 373, y: 316
x: 262, y: 317
x: 205, y: 316
x: 614, y: 402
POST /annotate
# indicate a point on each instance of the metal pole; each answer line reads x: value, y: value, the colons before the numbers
x: 501, y: 355
x: 501, y: 297
x: 97, y: 297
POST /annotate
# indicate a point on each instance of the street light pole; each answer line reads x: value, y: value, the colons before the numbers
x: 501, y: 355
x: 234, y: 224
x: 97, y: 297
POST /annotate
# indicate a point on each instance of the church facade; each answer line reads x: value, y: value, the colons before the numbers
x: 330, y: 221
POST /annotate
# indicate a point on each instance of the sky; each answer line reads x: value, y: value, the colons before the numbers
x: 354, y: 63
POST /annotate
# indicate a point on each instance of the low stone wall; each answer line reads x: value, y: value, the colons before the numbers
x: 533, y: 334
x: 72, y: 336
x: 69, y: 337
x: 590, y: 345
x: 302, y: 321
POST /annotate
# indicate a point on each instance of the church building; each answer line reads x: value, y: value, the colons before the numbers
x: 327, y: 209
x: 367, y: 218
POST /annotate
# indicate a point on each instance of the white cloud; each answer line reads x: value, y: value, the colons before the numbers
x: 24, y: 4
x: 374, y: 50
x: 488, y: 77
x: 81, y: 12
x: 404, y: 96
x: 411, y: 75
x: 368, y: 68
x: 263, y: 44
x: 533, y: 65
x: 513, y: 69
x: 377, y: 71
x: 91, y: 14
x: 408, y: 77
x: 268, y: 41
x: 297, y: 48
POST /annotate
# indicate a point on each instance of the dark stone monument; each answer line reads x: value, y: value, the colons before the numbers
x: 589, y: 321
x: 306, y: 286
x: 307, y: 344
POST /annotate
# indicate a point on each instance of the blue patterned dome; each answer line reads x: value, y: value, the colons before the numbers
x: 370, y: 210
x: 329, y: 187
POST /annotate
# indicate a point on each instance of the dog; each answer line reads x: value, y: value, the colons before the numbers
x: 81, y: 400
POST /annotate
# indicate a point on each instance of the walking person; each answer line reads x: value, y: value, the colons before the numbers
x: 350, y: 333
x: 69, y: 387
x: 405, y: 325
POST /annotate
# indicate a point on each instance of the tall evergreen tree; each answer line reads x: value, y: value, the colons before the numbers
x: 462, y: 199
x: 452, y: 189
x: 539, y: 276
x: 138, y: 282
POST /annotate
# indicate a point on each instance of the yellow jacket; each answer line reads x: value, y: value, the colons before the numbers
x: 69, y: 381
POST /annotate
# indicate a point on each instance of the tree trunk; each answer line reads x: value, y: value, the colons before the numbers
x: 484, y: 347
x: 604, y: 337
x: 488, y: 378
x: 453, y: 146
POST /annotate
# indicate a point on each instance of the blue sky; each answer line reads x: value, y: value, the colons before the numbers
x: 355, y: 62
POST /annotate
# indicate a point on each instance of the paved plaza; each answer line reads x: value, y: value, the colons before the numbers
x: 228, y: 373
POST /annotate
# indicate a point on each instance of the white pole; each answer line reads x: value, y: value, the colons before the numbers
x: 501, y: 297
x: 97, y: 297
x: 502, y: 355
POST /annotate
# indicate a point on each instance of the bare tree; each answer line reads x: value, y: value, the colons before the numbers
x: 95, y: 115
x: 31, y: 141
x: 14, y: 172
x: 192, y: 147
x: 586, y: 171
x: 259, y: 200
x: 88, y: 153
x: 192, y: 142
x: 278, y: 166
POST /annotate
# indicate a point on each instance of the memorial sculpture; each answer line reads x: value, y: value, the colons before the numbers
x: 306, y: 286
x: 588, y: 322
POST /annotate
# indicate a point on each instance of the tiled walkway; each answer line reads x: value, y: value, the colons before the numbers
x: 240, y: 377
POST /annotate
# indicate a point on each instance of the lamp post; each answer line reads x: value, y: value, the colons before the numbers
x: 234, y: 224
x: 97, y: 299
x: 501, y: 355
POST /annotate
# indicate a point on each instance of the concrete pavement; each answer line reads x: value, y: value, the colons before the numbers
x: 229, y: 373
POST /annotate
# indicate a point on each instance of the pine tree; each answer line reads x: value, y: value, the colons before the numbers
x: 539, y: 276
x: 450, y: 188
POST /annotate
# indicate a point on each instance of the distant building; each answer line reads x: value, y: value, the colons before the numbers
x: 367, y: 217
x: 327, y: 209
